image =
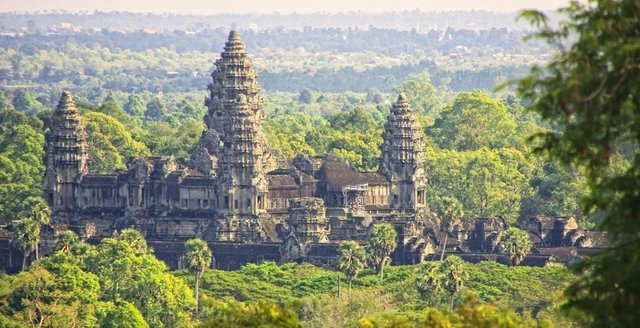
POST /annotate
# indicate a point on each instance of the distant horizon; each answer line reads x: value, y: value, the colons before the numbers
x: 286, y: 7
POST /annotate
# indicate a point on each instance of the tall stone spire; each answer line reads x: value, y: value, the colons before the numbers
x: 66, y: 154
x: 402, y: 159
x: 234, y: 132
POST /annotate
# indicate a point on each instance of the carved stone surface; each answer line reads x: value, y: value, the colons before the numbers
x: 66, y: 155
x: 402, y: 159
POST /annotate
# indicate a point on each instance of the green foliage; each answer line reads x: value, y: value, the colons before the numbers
x: 199, y: 258
x: 589, y: 91
x: 156, y: 109
x: 381, y: 241
x: 5, y: 103
x: 21, y: 167
x: 351, y: 258
x: 123, y: 315
x: 469, y: 314
x: 110, y: 142
x: 473, y: 121
x: 516, y: 243
x: 25, y: 101
x: 26, y: 237
x: 235, y: 314
x: 135, y: 240
x: 163, y: 139
x: 142, y: 280
x: 326, y: 311
x: 529, y: 291
x: 54, y: 294
x: 486, y: 182
x: 422, y: 95
x: 65, y: 241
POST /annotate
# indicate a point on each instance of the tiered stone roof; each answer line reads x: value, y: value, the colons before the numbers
x: 66, y: 140
x: 402, y: 140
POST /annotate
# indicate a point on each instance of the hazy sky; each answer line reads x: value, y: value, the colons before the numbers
x: 268, y: 6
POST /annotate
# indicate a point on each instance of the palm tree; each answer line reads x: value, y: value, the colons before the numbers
x: 516, y: 243
x: 429, y: 279
x: 66, y: 239
x: 27, y: 236
x: 351, y: 259
x: 453, y: 275
x: 449, y: 209
x: 40, y: 214
x: 135, y: 239
x: 199, y: 257
x: 380, y: 244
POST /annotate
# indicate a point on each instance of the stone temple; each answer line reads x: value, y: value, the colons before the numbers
x: 234, y: 195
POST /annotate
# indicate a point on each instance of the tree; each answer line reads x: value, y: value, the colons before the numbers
x: 380, y: 243
x: 351, y: 260
x: 449, y: 209
x: 5, y: 103
x: 123, y: 315
x: 156, y: 109
x: 25, y: 101
x: 199, y: 257
x: 135, y: 106
x: 238, y: 315
x: 306, y: 96
x: 27, y: 237
x: 111, y: 143
x: 140, y: 279
x: 40, y: 214
x: 135, y: 239
x: 453, y: 275
x: 516, y: 243
x: 473, y: 121
x: 589, y: 90
x: 429, y: 280
x: 65, y: 241
x: 422, y: 95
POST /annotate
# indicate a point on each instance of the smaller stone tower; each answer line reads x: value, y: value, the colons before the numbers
x: 402, y: 159
x: 66, y: 155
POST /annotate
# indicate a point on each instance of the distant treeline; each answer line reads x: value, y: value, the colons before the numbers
x: 132, y: 21
x: 387, y: 41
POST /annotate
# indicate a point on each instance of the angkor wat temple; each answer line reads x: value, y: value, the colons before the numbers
x: 235, y: 196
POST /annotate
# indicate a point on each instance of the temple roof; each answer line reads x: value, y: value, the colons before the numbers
x: 100, y: 179
x: 66, y: 103
x: 336, y: 172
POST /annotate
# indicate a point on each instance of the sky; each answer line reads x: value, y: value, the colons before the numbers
x: 268, y: 6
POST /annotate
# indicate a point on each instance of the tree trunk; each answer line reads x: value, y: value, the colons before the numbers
x: 339, y: 288
x: 24, y: 262
x: 37, y: 255
x: 444, y: 245
x: 197, y: 293
x: 349, y: 291
x: 452, y: 294
x: 382, y: 271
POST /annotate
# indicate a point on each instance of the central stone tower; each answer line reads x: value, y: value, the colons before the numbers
x: 402, y: 159
x: 66, y: 155
x: 234, y: 148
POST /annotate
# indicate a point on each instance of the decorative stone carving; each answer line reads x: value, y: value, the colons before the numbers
x: 66, y: 155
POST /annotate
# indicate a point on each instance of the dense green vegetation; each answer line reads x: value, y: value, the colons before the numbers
x: 590, y: 91
x: 479, y: 158
x: 119, y: 281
